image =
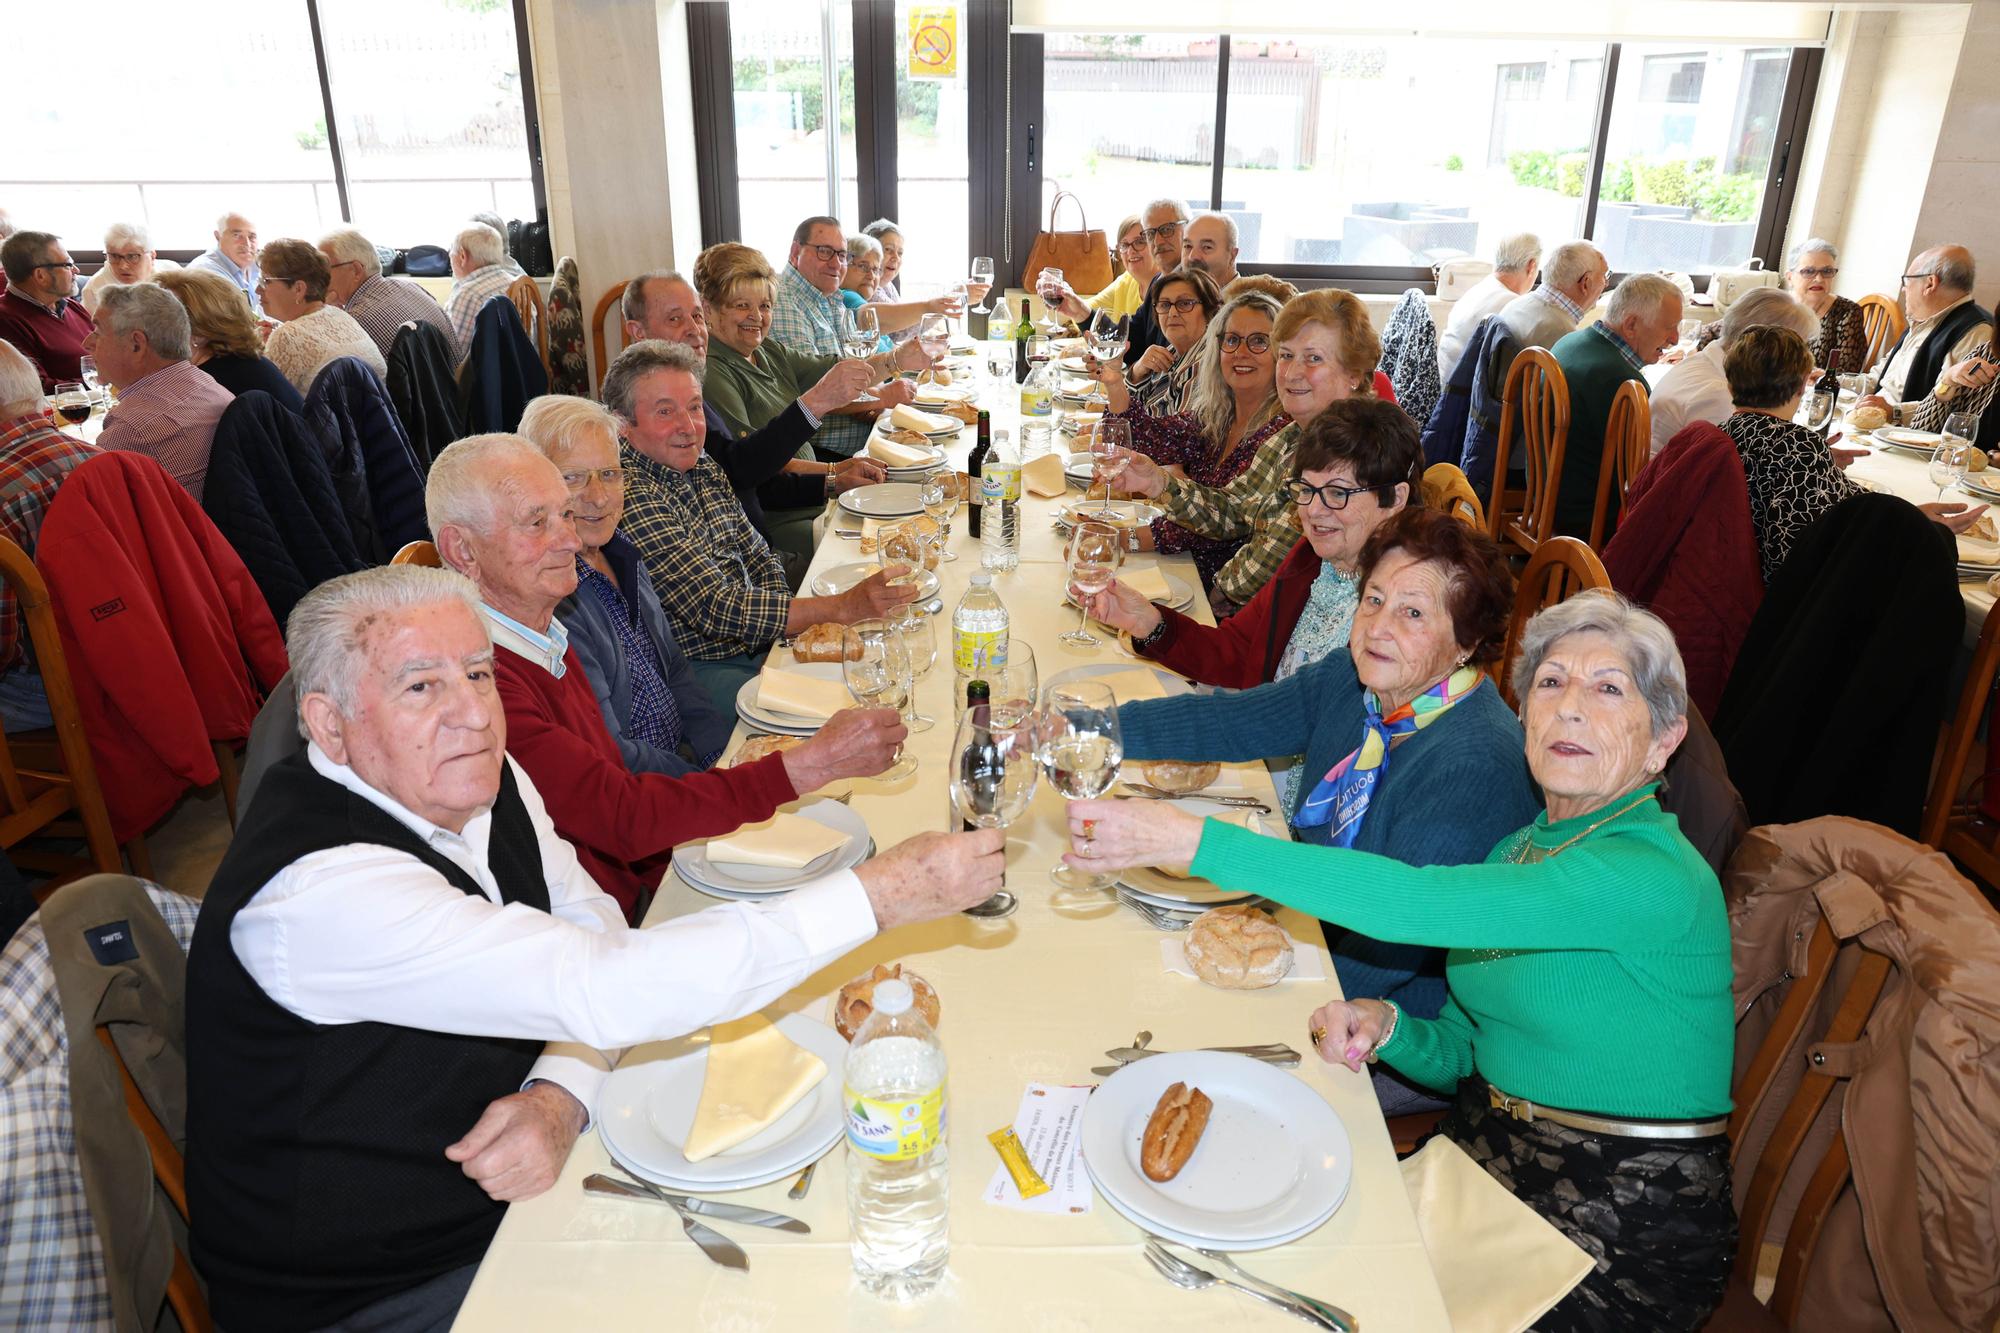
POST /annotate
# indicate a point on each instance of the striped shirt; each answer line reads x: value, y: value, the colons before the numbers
x: 382, y: 305
x: 35, y: 457
x: 468, y: 296
x: 170, y: 415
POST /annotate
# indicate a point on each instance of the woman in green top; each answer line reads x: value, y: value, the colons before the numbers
x: 1588, y: 965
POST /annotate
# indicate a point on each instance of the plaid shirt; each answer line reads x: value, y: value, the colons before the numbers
x: 723, y: 589
x: 1611, y: 336
x: 34, y: 459
x: 1560, y: 302
x: 468, y: 296
x: 807, y: 320
x: 1254, y: 506
x: 49, y: 1249
x: 382, y: 305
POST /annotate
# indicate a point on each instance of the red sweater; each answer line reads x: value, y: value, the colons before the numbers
x: 620, y: 822
x: 53, y: 342
x: 1244, y: 649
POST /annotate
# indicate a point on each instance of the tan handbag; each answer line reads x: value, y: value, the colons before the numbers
x: 1082, y: 254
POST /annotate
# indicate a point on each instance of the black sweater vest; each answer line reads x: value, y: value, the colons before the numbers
x: 316, y: 1175
x: 1928, y: 363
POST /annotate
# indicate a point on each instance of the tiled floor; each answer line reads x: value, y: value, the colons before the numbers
x: 188, y: 846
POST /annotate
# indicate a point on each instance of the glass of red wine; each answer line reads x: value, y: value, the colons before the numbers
x: 71, y: 402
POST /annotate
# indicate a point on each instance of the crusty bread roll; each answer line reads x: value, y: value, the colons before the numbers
x: 1173, y: 1130
x: 1239, y: 948
x: 857, y: 998
x: 1180, y: 776
x: 756, y: 747
x: 1983, y: 528
x: 824, y: 643
x: 1976, y: 460
x: 1870, y: 417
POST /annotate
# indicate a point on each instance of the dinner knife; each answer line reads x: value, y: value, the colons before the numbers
x: 721, y: 1212
x: 1282, y: 1056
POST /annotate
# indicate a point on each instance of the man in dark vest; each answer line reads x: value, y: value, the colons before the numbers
x: 395, y: 934
x: 1946, y: 324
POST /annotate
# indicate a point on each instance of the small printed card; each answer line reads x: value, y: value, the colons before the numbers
x: 1048, y: 1125
x: 1307, y: 964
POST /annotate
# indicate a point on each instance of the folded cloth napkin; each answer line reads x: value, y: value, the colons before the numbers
x: 1149, y: 581
x: 898, y: 455
x: 786, y: 842
x: 802, y: 695
x: 904, y: 417
x: 1307, y: 964
x: 1132, y: 685
x: 1044, y: 476
x: 1499, y: 1263
x: 1972, y: 551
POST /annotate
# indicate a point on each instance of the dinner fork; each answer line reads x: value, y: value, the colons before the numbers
x: 1190, y: 1278
x: 1147, y: 793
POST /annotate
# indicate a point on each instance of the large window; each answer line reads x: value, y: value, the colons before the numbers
x: 794, y: 119
x: 172, y: 122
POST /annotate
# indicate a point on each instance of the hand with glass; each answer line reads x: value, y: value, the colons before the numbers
x: 1095, y: 552
x: 1080, y: 748
x: 934, y: 336
x: 979, y: 283
x: 993, y: 776
x: 1106, y: 336
x: 938, y: 494
x: 1053, y: 289
x: 1110, y: 453
x: 877, y: 672
x: 71, y: 402
x: 903, y: 545
x: 865, y: 336
x: 919, y: 630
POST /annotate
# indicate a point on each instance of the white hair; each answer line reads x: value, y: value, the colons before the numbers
x: 20, y: 383
x: 126, y: 233
x: 1812, y: 245
x: 1516, y: 252
x: 1639, y: 294
x: 1179, y: 208
x: 1769, y: 305
x: 222, y: 223
x: 151, y: 309
x: 1648, y: 646
x: 1570, y: 261
x: 348, y: 246
x: 482, y: 245
x: 324, y: 634
x: 555, y: 422
x: 457, y: 493
x: 863, y: 246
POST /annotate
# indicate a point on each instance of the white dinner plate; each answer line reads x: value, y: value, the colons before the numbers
x: 1180, y: 594
x: 1908, y: 438
x: 1177, y: 892
x: 1977, y: 484
x: 886, y: 499
x: 646, y: 1108
x: 692, y: 863
x: 1120, y: 513
x: 908, y: 471
x: 1074, y: 365
x: 1274, y: 1162
x: 746, y: 896
x: 838, y: 579
x: 772, y: 719
x: 940, y: 395
x: 1080, y: 468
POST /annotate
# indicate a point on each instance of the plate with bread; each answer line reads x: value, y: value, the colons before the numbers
x: 1216, y: 1150
x: 838, y: 579
x: 1905, y: 440
x: 776, y: 855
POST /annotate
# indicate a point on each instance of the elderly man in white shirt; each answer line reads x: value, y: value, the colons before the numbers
x: 395, y: 932
x: 1516, y: 263
x: 1696, y: 389
x: 1946, y: 326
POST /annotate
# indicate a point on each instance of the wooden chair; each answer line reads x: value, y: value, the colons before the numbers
x: 418, y: 553
x: 1628, y: 443
x: 184, y: 1292
x: 1560, y: 568
x: 1882, y: 320
x: 600, y: 356
x: 526, y: 294
x: 48, y: 780
x: 1536, y: 405
x: 1446, y: 488
x: 1953, y: 822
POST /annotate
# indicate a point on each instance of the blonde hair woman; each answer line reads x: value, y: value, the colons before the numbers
x: 226, y: 341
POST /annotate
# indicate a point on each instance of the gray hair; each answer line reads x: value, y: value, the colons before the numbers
x: 482, y: 246
x: 222, y: 223
x: 324, y: 633
x: 1651, y: 655
x: 348, y: 246
x: 1570, y: 261
x: 490, y: 219
x: 554, y: 422
x: 1809, y: 246
x: 1211, y: 401
x: 1179, y: 208
x: 23, y: 250
x: 881, y: 227
x: 20, y: 383
x: 151, y: 309
x: 632, y: 305
x: 457, y: 493
x: 1641, y: 293
x: 1228, y: 226
x: 636, y: 362
x: 1516, y: 252
x: 127, y: 233
x: 1954, y: 269
x: 1769, y: 305
x: 863, y: 246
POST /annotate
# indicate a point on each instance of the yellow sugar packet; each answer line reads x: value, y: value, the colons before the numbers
x: 1015, y: 1158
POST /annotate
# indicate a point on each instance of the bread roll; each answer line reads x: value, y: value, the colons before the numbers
x: 857, y: 998
x: 824, y: 643
x: 1976, y: 460
x: 1239, y: 948
x: 1173, y: 1130
x: 1983, y: 528
x: 1179, y: 776
x: 1870, y: 417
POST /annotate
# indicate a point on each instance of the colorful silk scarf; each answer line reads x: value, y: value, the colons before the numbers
x: 1342, y: 796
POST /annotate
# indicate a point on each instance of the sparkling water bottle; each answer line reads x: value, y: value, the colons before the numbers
x: 979, y: 629
x: 898, y: 1181
x: 1000, y: 497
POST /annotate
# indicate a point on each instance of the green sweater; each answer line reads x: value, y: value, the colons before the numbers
x: 1596, y: 980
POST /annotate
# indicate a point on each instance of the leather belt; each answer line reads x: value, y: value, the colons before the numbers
x: 1524, y: 1110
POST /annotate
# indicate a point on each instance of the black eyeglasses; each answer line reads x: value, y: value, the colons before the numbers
x: 1259, y: 343
x: 64, y: 264
x: 1912, y: 277
x: 1164, y: 229
x: 1815, y: 272
x: 828, y: 253
x: 1332, y: 495
x: 1178, y: 304
x: 1135, y: 245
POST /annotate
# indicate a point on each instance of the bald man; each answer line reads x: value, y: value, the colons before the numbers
x: 1946, y: 324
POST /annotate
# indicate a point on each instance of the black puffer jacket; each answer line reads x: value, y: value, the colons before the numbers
x: 349, y: 406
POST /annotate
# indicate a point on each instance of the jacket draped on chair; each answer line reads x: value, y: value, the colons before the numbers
x: 423, y: 388
x: 503, y: 373
x: 349, y: 406
x: 1410, y: 355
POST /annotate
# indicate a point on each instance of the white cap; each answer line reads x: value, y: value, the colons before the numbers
x: 981, y: 580
x: 893, y: 997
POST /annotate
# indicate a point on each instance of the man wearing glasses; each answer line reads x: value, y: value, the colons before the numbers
x: 38, y: 314
x: 1946, y: 326
x: 1165, y: 224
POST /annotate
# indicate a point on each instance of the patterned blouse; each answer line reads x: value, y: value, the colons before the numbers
x: 1841, y: 331
x: 1165, y: 393
x: 1931, y: 413
x: 1793, y: 481
x: 1179, y: 441
x: 656, y: 717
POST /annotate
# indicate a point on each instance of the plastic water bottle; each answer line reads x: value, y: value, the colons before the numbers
x: 979, y: 629
x: 1000, y: 498
x: 898, y: 1178
x: 1000, y: 340
x: 1038, y: 391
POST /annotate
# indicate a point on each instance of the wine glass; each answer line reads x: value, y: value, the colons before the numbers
x: 861, y: 341
x: 982, y: 272
x: 1015, y: 683
x: 1095, y: 552
x: 993, y: 775
x: 919, y: 632
x: 1049, y: 286
x: 71, y: 402
x: 87, y: 372
x: 1080, y: 748
x: 903, y: 545
x: 877, y: 671
x: 1948, y: 464
x: 938, y: 493
x: 1819, y: 410
x: 1109, y: 438
x: 934, y: 335
x: 1690, y: 329
x: 1106, y: 334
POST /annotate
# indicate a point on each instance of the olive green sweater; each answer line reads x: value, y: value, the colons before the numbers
x: 1596, y: 980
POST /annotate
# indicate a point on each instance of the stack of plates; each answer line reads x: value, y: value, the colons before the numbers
x: 842, y: 577
x: 647, y: 1105
x: 773, y: 720
x: 1081, y: 469
x: 1985, y: 485
x: 941, y: 395
x: 1119, y: 513
x: 1903, y: 440
x: 1273, y: 1165
x: 1180, y: 893
x: 888, y: 499
x: 720, y: 879
x: 913, y: 472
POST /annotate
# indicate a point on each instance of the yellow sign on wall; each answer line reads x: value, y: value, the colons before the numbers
x: 933, y: 47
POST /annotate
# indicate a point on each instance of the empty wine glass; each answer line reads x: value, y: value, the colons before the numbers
x: 861, y: 341
x: 1948, y: 464
x: 877, y: 672
x: 1109, y: 439
x: 1015, y: 683
x: 982, y: 272
x: 1106, y: 334
x: 1095, y: 552
x: 1690, y: 329
x: 1961, y: 428
x: 934, y: 335
x: 1080, y: 747
x: 993, y: 776
x: 938, y: 493
x: 87, y: 372
x: 1049, y: 286
x: 919, y: 632
x: 902, y: 544
x: 1819, y: 410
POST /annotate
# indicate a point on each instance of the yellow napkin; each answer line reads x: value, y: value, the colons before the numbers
x: 1147, y: 581
x: 755, y: 1074
x: 1499, y: 1263
x: 904, y: 417
x: 807, y: 696
x: 898, y: 455
x: 1131, y: 685
x: 1044, y: 477
x: 786, y: 842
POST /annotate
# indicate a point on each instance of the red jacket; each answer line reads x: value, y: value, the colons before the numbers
x: 169, y: 644
x: 1687, y: 551
x: 1244, y: 649
x: 622, y: 824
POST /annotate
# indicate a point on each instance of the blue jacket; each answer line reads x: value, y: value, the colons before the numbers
x: 1444, y: 429
x: 1495, y: 357
x: 704, y: 727
x: 1450, y: 794
x: 503, y: 372
x: 349, y: 406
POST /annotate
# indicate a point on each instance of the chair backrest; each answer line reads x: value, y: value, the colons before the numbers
x: 1882, y: 322
x: 1628, y: 444
x: 1535, y: 406
x: 184, y: 1292
x: 526, y: 294
x: 1446, y: 488
x: 1948, y: 784
x: 418, y: 553
x: 1560, y: 568
x: 600, y: 355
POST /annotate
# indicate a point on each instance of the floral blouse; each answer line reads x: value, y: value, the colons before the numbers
x: 1179, y: 441
x: 1793, y: 480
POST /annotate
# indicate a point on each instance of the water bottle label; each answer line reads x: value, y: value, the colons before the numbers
x: 1000, y: 482
x: 895, y: 1131
x: 974, y: 651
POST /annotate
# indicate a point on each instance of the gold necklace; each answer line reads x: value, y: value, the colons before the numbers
x: 1521, y: 857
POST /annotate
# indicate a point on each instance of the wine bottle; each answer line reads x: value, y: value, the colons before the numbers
x: 975, y: 463
x: 1829, y: 384
x: 979, y: 703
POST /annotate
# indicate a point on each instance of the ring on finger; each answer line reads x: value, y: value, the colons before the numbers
x: 1318, y: 1035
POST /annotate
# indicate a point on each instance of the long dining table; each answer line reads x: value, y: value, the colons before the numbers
x: 1036, y: 997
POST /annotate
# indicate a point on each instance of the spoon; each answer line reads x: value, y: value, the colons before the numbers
x: 1000, y: 904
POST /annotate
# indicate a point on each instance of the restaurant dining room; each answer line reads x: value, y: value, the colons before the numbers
x: 766, y: 665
